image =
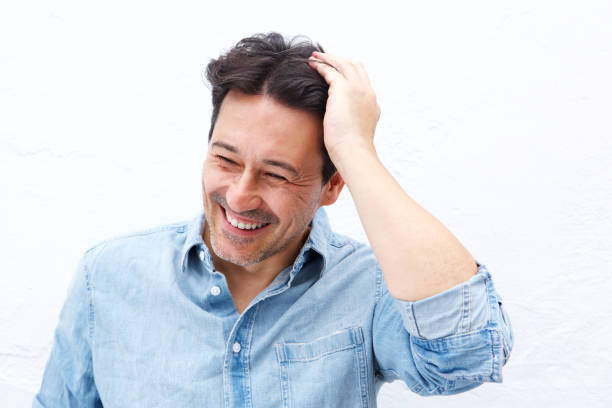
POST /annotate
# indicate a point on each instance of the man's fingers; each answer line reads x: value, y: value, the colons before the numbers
x: 337, y: 62
x: 349, y: 69
x: 361, y: 71
x: 346, y: 67
x: 328, y: 72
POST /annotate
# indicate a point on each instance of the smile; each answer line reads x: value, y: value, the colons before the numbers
x: 242, y: 225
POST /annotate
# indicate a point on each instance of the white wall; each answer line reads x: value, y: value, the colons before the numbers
x: 496, y: 118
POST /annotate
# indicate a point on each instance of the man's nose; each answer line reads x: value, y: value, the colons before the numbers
x: 243, y: 195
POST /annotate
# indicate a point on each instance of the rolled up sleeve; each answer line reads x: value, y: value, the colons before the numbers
x: 455, y: 340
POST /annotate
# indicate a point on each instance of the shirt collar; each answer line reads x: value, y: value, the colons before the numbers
x: 319, y: 236
x: 194, y: 241
x: 318, y: 240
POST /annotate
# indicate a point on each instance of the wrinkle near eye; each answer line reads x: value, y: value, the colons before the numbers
x: 304, y: 180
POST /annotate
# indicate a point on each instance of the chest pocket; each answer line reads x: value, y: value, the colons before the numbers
x: 326, y: 372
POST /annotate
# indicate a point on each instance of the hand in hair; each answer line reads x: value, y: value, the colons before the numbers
x: 352, y: 111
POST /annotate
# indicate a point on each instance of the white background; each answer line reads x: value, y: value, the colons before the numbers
x: 496, y: 117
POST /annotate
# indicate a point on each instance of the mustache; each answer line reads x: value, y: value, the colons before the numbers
x: 255, y: 215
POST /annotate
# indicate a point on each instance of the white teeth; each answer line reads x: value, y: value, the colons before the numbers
x: 242, y: 225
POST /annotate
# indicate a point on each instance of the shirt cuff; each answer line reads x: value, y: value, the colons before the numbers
x: 457, y: 310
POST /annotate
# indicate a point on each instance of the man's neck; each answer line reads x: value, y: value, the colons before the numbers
x: 246, y: 282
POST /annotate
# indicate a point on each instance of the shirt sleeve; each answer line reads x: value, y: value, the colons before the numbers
x: 445, y: 344
x: 68, y: 378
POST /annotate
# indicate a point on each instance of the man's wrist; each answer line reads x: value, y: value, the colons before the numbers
x: 353, y: 161
x: 347, y: 154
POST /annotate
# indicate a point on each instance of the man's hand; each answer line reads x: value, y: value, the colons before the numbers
x: 352, y: 112
x: 417, y: 254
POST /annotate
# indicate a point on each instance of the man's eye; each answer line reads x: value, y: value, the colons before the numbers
x: 276, y: 176
x: 225, y: 159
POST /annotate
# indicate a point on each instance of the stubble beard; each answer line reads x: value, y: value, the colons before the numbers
x: 247, y: 259
x: 270, y: 248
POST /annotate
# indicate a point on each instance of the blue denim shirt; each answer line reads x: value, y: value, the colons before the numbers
x: 149, y: 322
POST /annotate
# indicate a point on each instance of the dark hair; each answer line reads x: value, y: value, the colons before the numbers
x: 268, y: 64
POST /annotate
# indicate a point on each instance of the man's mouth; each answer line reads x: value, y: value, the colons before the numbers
x: 242, y: 225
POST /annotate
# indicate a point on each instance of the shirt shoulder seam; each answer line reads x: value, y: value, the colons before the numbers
x: 179, y: 227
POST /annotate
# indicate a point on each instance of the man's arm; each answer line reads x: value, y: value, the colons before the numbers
x: 68, y: 378
x: 418, y: 255
x: 438, y: 322
x: 446, y: 344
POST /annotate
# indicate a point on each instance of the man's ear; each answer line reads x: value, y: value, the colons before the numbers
x: 332, y: 189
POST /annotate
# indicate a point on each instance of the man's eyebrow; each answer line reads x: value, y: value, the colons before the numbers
x: 225, y: 146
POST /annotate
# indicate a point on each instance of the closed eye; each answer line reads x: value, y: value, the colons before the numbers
x: 225, y: 159
x: 276, y: 176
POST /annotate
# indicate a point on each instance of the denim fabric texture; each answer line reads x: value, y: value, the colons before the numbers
x: 149, y: 322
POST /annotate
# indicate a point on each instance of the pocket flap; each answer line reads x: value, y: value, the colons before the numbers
x: 341, y: 340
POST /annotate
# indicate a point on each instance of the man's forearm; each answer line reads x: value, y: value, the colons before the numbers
x: 418, y: 255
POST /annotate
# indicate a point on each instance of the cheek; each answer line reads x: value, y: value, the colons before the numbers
x: 212, y: 178
x: 294, y: 204
x: 305, y: 197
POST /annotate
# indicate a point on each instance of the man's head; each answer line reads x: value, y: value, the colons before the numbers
x: 268, y: 64
x: 265, y: 175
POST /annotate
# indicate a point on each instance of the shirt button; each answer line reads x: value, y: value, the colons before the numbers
x: 215, y: 291
x: 202, y: 255
x: 236, y: 347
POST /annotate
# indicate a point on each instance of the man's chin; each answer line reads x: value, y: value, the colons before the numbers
x: 235, y: 256
x: 238, y: 260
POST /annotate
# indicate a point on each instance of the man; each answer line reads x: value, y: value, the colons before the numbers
x: 256, y: 303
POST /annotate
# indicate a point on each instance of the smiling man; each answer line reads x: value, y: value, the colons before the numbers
x: 262, y: 184
x: 256, y: 302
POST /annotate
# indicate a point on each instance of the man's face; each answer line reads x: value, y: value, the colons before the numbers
x: 261, y: 180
